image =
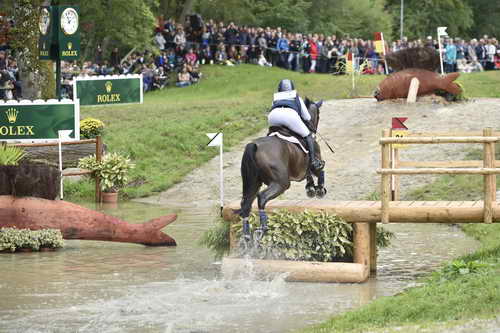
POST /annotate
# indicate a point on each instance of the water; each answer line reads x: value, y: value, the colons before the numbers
x: 112, y: 287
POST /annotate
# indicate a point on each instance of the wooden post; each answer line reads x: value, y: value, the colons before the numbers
x: 386, y: 178
x: 395, y: 165
x: 489, y: 180
x: 413, y: 91
x: 362, y: 244
x: 98, y: 155
x: 373, y: 248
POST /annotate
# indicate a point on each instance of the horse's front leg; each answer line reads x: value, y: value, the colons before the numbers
x: 272, y: 191
x: 320, y: 189
x: 310, y: 187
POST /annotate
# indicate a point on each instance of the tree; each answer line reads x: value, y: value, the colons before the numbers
x: 123, y: 24
x: 486, y: 17
x: 36, y: 76
x: 421, y: 18
x: 358, y: 19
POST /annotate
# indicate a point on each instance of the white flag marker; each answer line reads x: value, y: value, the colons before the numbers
x: 441, y: 31
x: 216, y: 139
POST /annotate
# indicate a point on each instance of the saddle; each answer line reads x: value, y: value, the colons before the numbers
x: 285, y: 133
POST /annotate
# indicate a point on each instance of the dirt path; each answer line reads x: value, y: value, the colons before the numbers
x: 353, y: 127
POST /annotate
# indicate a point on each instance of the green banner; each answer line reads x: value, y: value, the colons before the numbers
x: 114, y: 89
x: 38, y: 121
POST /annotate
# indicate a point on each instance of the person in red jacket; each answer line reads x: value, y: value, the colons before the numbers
x: 313, y: 52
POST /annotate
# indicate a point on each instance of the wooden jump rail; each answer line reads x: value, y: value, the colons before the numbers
x: 391, y: 165
x: 98, y: 153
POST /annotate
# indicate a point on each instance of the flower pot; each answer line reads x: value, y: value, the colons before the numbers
x: 110, y: 197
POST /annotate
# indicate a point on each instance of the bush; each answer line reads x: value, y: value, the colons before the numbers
x: 90, y: 128
x: 296, y: 236
x: 12, y: 239
x: 112, y: 169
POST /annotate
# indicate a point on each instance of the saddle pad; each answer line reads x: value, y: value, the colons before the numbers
x: 290, y: 139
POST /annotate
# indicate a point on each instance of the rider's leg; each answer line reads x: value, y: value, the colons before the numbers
x: 314, y: 162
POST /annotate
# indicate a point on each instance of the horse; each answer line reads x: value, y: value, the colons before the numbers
x: 275, y: 162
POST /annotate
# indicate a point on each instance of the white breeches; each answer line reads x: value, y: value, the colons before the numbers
x: 289, y: 118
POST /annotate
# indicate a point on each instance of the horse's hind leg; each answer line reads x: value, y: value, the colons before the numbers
x: 246, y: 207
x: 272, y: 191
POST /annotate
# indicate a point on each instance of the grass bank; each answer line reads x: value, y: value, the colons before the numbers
x: 165, y: 136
x: 466, y: 288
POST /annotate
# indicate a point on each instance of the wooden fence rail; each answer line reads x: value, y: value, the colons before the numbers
x: 391, y: 165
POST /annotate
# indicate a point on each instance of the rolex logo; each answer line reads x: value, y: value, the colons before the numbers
x: 108, y: 86
x: 70, y: 45
x: 12, y: 115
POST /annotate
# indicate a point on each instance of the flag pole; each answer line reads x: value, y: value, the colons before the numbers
x: 221, y: 173
x: 385, y: 61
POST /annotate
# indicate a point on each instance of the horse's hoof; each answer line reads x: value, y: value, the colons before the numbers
x: 311, y: 192
x: 320, y: 192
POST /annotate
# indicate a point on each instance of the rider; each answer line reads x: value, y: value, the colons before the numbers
x: 289, y: 110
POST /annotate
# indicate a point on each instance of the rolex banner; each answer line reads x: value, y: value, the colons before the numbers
x: 112, y: 89
x: 38, y: 121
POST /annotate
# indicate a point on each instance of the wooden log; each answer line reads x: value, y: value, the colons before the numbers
x: 489, y: 180
x: 436, y: 140
x: 396, y: 179
x: 386, y: 178
x: 298, y: 271
x: 54, y: 144
x: 373, y: 247
x: 439, y: 171
x: 98, y: 156
x: 449, y: 134
x: 444, y: 164
x: 401, y: 211
x: 361, y: 243
x: 412, y: 91
x: 76, y: 222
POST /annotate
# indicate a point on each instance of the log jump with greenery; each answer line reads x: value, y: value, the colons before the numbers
x: 366, y: 214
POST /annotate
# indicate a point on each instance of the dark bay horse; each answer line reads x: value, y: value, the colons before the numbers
x: 275, y: 162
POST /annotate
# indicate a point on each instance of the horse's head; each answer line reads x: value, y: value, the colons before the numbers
x: 313, y: 111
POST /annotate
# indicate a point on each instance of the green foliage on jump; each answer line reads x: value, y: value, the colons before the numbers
x: 12, y: 239
x: 306, y: 236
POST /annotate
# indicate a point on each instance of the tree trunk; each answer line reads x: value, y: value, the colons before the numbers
x: 186, y: 9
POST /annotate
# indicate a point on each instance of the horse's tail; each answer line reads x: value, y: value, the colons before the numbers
x: 249, y: 170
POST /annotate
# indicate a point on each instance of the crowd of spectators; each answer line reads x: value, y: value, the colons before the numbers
x: 216, y: 42
x: 184, y: 47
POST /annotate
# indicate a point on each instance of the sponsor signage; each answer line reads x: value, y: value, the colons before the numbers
x: 399, y: 130
x: 112, y: 89
x: 38, y: 121
x: 59, y: 37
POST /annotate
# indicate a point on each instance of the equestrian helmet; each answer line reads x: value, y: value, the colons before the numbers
x: 286, y: 85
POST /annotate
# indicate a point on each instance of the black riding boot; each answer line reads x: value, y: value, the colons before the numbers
x: 314, y: 163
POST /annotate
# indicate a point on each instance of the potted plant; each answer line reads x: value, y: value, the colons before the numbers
x: 112, y: 170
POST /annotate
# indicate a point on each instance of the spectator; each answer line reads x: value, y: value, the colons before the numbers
x: 183, y: 78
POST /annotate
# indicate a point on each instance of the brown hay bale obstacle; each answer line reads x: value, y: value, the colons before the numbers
x: 397, y: 84
x: 76, y: 222
x: 299, y: 271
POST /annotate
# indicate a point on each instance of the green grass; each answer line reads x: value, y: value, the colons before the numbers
x: 442, y: 301
x: 165, y: 136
